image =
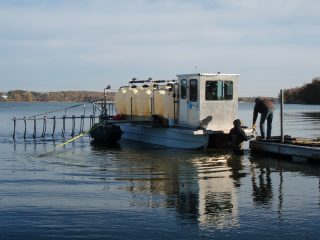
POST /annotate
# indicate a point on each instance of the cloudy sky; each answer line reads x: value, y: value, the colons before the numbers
x: 85, y: 44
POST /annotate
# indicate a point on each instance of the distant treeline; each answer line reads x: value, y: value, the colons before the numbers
x: 63, y: 96
x: 309, y: 93
x: 70, y: 96
x: 246, y: 99
x: 252, y: 99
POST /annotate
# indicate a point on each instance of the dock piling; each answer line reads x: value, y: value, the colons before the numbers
x: 14, y: 128
x: 25, y: 127
x: 281, y: 116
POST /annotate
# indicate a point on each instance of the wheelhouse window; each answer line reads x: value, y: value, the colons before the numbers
x: 183, y: 89
x: 219, y: 90
x: 193, y: 90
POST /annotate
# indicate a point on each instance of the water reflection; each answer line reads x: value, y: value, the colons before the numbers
x: 201, y: 187
x: 271, y: 185
x: 141, y: 191
x: 302, y: 124
x: 236, y: 167
x: 210, y: 190
x: 218, y: 177
x: 280, y: 195
x: 312, y: 116
x: 261, y: 185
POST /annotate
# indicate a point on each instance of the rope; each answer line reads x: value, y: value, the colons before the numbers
x: 69, y: 141
x: 58, y: 110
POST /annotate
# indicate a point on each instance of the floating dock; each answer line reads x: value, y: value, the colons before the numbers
x: 295, y: 149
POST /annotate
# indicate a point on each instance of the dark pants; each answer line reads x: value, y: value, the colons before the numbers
x: 269, y: 116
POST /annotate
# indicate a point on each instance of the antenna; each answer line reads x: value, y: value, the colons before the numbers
x: 195, y: 69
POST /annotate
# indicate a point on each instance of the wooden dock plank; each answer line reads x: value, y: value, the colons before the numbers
x: 287, y: 149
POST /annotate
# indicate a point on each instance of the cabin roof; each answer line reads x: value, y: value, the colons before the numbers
x: 206, y: 74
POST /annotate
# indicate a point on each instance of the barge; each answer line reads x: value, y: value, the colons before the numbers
x: 192, y: 112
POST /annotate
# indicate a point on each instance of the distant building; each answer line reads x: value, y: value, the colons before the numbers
x: 4, y: 97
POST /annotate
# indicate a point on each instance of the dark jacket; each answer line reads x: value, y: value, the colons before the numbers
x: 237, y: 135
x: 262, y: 106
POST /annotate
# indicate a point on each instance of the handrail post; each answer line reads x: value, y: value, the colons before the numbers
x: 81, y: 124
x: 54, y: 126
x: 63, y: 125
x: 44, y: 128
x: 131, y: 110
x: 94, y: 110
x: 91, y: 121
x: 34, y: 127
x: 73, y: 125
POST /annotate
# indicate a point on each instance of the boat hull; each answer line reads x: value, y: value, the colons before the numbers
x: 166, y: 136
x: 106, y: 133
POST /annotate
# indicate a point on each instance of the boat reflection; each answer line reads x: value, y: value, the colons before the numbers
x: 218, y: 179
x: 199, y: 186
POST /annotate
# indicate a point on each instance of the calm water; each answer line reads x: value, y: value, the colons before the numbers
x: 136, y: 191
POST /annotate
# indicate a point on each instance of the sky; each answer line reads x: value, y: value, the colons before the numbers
x: 54, y: 45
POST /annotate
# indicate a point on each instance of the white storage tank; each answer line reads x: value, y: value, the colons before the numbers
x: 158, y: 102
x: 142, y: 102
x: 120, y: 101
x: 145, y: 101
x: 123, y: 100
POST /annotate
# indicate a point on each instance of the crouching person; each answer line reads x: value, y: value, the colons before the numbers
x: 237, y: 136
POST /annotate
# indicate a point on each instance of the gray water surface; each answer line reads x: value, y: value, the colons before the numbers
x: 140, y: 191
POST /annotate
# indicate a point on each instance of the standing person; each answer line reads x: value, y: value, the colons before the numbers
x: 237, y: 136
x: 265, y: 108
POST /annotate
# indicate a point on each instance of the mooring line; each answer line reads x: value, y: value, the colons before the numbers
x: 69, y: 141
x: 53, y: 111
